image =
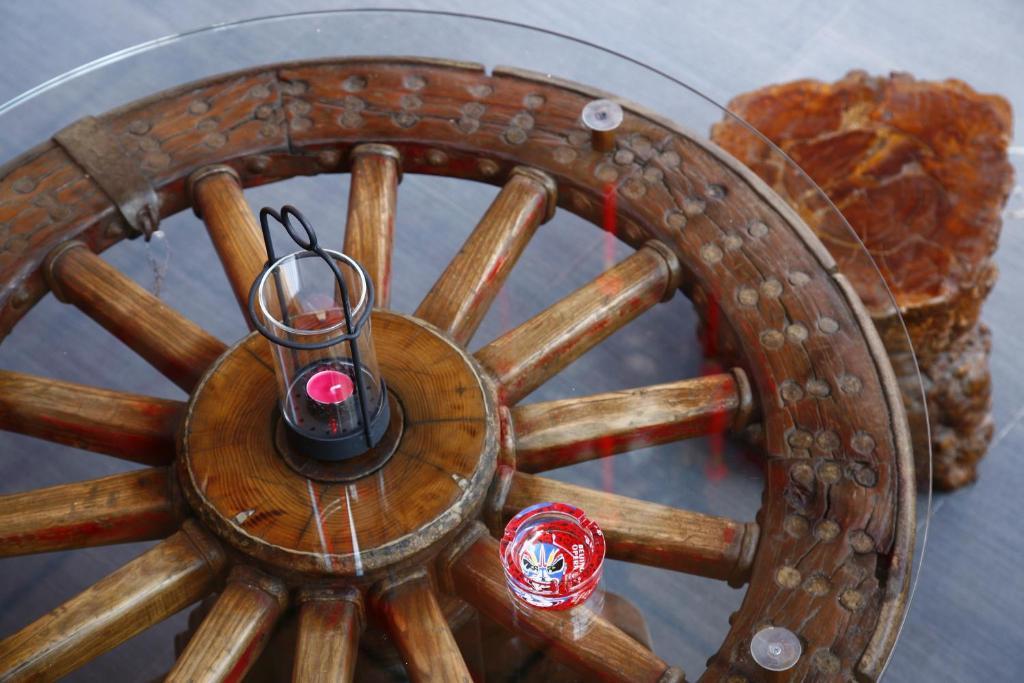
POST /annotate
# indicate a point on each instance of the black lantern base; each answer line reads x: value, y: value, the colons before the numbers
x: 343, y: 447
x: 350, y: 469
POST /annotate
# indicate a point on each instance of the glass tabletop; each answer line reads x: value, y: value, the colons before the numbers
x: 736, y: 313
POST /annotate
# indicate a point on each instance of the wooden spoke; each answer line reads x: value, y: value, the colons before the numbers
x: 559, y: 433
x: 598, y: 648
x: 164, y: 580
x: 420, y: 632
x: 370, y: 231
x: 330, y: 622
x: 134, y: 506
x: 128, y: 426
x: 174, y: 345
x: 527, y: 356
x: 648, y: 533
x: 218, y: 199
x: 460, y: 298
x: 235, y: 631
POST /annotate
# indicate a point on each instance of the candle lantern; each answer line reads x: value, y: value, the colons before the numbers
x: 313, y: 306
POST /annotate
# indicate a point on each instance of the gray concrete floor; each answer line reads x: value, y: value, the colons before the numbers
x: 964, y: 622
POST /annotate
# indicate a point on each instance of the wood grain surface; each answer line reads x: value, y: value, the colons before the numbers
x: 555, y: 434
x: 931, y: 226
x: 527, y: 356
x: 121, y: 508
x: 657, y: 535
x: 173, y: 344
x: 417, y: 625
x: 235, y: 480
x: 370, y: 229
x: 327, y: 646
x: 160, y: 582
x: 128, y: 426
x: 235, y: 631
x: 218, y: 199
x: 466, y: 289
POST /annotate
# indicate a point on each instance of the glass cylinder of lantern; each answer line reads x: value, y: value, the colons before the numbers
x: 331, y: 394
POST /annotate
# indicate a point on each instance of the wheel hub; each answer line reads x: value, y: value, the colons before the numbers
x: 425, y: 481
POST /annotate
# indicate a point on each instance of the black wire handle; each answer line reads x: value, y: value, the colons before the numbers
x: 311, y: 245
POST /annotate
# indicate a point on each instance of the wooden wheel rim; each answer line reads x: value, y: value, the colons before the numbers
x: 834, y: 426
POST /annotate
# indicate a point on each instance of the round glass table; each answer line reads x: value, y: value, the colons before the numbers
x: 578, y: 298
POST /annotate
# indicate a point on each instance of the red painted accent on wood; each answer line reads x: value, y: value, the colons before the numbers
x: 610, y: 223
x: 715, y: 468
x: 609, y: 445
x: 254, y: 648
x: 121, y: 508
x: 131, y: 527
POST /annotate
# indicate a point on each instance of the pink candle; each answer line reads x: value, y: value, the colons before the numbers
x: 329, y: 387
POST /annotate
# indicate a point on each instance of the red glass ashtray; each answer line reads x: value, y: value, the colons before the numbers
x: 552, y: 555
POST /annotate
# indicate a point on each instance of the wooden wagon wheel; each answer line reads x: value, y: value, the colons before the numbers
x: 828, y: 557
